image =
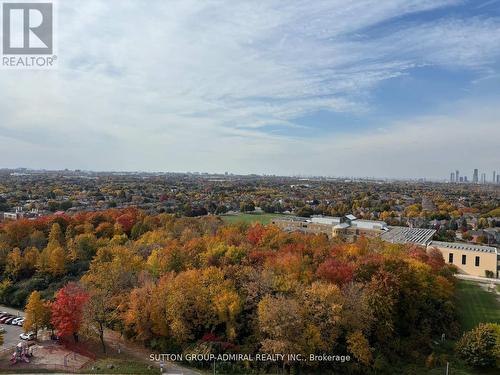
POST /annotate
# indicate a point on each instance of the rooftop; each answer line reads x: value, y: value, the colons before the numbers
x: 464, y: 246
x: 420, y: 236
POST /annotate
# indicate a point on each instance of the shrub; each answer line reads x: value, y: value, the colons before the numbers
x: 480, y: 347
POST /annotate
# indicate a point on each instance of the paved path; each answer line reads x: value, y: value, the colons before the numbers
x: 477, y: 278
x: 137, y: 351
x: 11, y: 335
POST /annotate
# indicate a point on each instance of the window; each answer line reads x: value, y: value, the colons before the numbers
x: 477, y: 261
x: 464, y: 259
x: 450, y: 258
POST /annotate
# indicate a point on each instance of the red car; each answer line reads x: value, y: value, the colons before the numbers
x: 3, y: 319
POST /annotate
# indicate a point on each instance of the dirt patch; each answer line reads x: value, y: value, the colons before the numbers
x: 50, y: 356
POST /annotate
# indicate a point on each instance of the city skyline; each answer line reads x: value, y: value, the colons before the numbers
x: 456, y: 176
x: 408, y: 89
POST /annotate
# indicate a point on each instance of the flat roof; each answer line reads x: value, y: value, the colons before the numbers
x: 420, y: 236
x: 464, y: 246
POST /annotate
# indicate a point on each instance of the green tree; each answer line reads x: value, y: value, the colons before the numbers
x: 480, y: 347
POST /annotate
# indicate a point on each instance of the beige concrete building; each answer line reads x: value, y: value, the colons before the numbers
x: 468, y: 258
x: 349, y: 228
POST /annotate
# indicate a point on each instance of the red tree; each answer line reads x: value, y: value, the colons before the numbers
x: 335, y: 271
x: 67, y: 310
x: 255, y: 234
x: 127, y: 221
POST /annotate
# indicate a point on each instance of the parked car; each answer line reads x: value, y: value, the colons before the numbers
x: 20, y: 322
x: 27, y: 336
x: 15, y: 321
x: 3, y: 315
x: 9, y: 320
x: 3, y: 319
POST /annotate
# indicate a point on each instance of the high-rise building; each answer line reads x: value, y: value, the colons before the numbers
x: 498, y: 178
x: 457, y: 176
x: 465, y: 179
x: 452, y: 177
x: 475, y: 177
x: 494, y: 177
x: 483, y: 178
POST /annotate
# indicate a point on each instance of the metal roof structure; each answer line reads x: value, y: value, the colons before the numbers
x: 420, y: 236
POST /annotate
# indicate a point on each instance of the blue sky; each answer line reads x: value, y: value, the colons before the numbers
x: 396, y: 88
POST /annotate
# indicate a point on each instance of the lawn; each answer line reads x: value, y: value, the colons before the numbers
x: 120, y: 366
x: 250, y: 218
x: 475, y: 305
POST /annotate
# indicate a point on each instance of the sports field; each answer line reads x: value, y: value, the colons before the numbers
x: 476, y: 305
x: 250, y: 218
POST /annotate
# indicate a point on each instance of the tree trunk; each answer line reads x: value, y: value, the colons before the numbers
x: 101, y: 336
x: 75, y: 336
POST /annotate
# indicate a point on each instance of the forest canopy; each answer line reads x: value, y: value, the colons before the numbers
x: 192, y: 284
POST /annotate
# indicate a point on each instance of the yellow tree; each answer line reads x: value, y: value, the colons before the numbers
x: 57, y: 261
x: 37, y: 313
x: 359, y: 346
x: 55, y: 236
x: 30, y: 258
x: 14, y: 263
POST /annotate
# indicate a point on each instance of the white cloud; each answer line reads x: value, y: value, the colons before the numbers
x: 192, y: 85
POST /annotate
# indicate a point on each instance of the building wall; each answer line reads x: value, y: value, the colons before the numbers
x: 487, y: 261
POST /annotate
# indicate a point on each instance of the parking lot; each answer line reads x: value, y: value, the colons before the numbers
x: 12, y: 332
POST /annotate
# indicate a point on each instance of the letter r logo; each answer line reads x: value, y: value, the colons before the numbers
x: 27, y: 28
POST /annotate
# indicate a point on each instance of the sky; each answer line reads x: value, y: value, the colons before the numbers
x: 368, y: 88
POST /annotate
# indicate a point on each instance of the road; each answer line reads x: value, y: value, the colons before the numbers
x: 11, y: 336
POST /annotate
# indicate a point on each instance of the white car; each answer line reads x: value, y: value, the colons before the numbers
x: 15, y: 321
x: 27, y: 336
x: 20, y: 322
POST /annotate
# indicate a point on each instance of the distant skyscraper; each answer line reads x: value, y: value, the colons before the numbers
x: 483, y: 178
x: 457, y: 174
x: 452, y: 177
x: 475, y: 177
x: 465, y: 179
x: 498, y: 178
x: 494, y: 177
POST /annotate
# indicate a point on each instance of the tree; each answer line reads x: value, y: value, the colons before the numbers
x: 281, y: 324
x: 56, y: 237
x: 30, y: 259
x: 67, y: 309
x: 37, y: 313
x: 14, y: 263
x: 322, y: 304
x: 359, y: 346
x: 335, y: 271
x: 96, y: 315
x: 57, y: 261
x: 248, y: 206
x: 480, y: 347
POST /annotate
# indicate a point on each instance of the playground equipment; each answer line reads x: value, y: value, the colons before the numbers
x: 22, y: 354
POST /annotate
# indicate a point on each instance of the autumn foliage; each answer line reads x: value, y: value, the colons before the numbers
x: 67, y: 310
x: 196, y: 284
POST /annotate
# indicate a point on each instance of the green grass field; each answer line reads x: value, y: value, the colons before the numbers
x: 475, y: 305
x: 250, y: 218
x: 120, y: 366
